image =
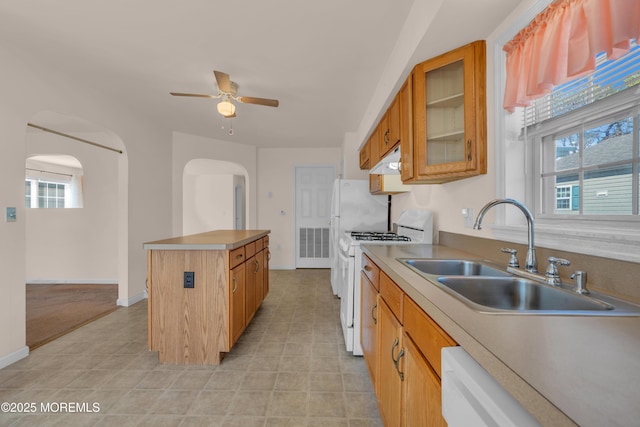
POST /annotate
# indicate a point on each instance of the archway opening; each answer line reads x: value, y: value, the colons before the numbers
x: 75, y: 226
x: 214, y: 196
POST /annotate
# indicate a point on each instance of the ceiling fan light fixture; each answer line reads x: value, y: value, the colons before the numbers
x: 226, y: 108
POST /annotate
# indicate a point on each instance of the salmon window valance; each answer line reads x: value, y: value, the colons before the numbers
x: 561, y: 44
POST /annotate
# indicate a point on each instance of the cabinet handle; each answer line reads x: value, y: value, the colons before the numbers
x: 468, y: 150
x: 269, y: 255
x: 239, y: 256
x: 397, y: 361
x: 257, y: 266
x: 235, y: 284
x: 366, y: 268
x: 375, y: 319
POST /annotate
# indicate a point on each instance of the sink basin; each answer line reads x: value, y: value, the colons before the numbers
x: 452, y: 267
x: 513, y: 293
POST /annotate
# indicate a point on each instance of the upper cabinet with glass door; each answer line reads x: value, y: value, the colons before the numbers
x: 450, y: 116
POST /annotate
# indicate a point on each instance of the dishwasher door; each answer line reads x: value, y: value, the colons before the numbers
x: 471, y: 397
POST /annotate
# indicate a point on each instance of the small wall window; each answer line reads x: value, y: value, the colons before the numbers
x: 53, y: 182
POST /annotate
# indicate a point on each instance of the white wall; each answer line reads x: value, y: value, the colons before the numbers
x: 29, y: 87
x: 276, y: 187
x: 208, y: 203
x: 198, y: 152
x: 58, y: 246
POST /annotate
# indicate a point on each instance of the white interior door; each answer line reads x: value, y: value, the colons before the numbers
x: 314, y: 185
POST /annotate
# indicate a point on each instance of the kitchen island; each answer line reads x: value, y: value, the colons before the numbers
x: 204, y: 289
x: 563, y: 369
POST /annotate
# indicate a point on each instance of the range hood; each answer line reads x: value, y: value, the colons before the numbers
x: 389, y: 165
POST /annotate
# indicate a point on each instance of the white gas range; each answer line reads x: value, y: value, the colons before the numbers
x: 413, y: 226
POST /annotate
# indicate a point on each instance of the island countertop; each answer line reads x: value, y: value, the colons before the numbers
x: 214, y: 240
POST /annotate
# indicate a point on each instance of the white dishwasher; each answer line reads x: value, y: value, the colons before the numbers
x: 471, y: 397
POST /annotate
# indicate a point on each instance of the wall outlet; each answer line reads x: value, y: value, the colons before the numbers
x: 189, y: 279
x: 469, y: 217
x: 10, y: 214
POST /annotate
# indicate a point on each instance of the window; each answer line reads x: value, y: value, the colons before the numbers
x: 572, y: 157
x: 585, y: 139
x: 563, y: 197
x: 591, y: 169
x: 53, y: 182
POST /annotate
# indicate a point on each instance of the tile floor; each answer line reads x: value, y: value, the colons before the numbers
x: 290, y: 368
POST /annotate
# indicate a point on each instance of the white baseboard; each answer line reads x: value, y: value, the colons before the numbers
x: 14, y: 357
x: 282, y: 267
x: 72, y: 281
x: 132, y: 300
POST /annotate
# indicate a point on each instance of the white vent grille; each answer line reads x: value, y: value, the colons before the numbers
x: 314, y: 242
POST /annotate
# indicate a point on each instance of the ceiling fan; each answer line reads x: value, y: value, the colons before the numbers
x: 227, y: 91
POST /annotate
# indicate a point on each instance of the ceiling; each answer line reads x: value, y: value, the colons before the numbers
x: 322, y: 60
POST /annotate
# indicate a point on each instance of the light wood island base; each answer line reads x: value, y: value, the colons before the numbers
x: 228, y: 270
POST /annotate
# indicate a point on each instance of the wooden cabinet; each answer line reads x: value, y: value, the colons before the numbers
x: 405, y: 102
x: 365, y: 155
x: 389, y: 128
x: 401, y: 346
x: 265, y: 266
x: 197, y: 321
x: 237, y: 310
x: 370, y: 153
x: 390, y: 376
x: 423, y: 342
x: 369, y: 286
x: 421, y: 390
x: 450, y: 115
x: 250, y: 281
x: 369, y: 327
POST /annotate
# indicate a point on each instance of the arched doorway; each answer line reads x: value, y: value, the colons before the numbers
x: 76, y: 231
x: 213, y: 196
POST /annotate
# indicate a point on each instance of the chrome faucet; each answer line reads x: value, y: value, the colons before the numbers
x: 531, y: 262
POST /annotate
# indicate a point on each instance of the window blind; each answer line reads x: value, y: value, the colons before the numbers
x: 610, y: 77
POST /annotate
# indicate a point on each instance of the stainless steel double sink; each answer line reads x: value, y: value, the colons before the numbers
x: 489, y: 289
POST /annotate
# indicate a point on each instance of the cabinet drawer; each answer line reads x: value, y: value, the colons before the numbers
x: 371, y: 271
x: 392, y: 295
x: 428, y: 336
x: 250, y: 249
x: 236, y: 257
x: 259, y: 245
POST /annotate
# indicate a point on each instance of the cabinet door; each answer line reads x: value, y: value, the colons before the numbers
x: 421, y: 390
x: 259, y: 265
x: 375, y: 184
x: 369, y: 327
x: 237, y: 307
x: 450, y: 115
x: 390, y: 355
x: 393, y: 123
x: 265, y: 267
x: 250, y: 289
x: 406, y: 129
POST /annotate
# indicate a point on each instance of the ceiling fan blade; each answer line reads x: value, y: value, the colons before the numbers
x: 197, y: 95
x: 224, y: 83
x: 259, y: 101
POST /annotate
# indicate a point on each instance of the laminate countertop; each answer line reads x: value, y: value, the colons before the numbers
x: 211, y: 240
x: 564, y: 369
